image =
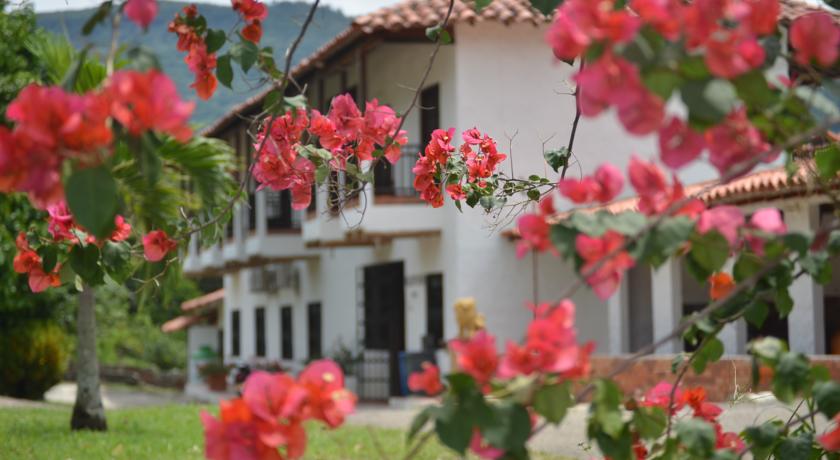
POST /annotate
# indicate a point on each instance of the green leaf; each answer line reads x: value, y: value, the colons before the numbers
x: 419, y: 421
x: 97, y: 17
x: 828, y: 161
x: 756, y: 312
x: 753, y: 89
x: 626, y: 223
x: 662, y: 82
x: 747, y: 265
x: 436, y: 33
x: 214, y: 40
x: 85, y: 262
x: 697, y: 435
x: 557, y: 158
x: 650, y: 422
x: 588, y: 223
x: 712, y: 351
x: 511, y: 427
x: 453, y: 428
x: 546, y: 7
x: 552, y: 401
x: 790, y: 376
x: 49, y: 257
x: 296, y: 102
x: 763, y: 438
x: 827, y: 396
x: 709, y: 101
x: 224, y: 71
x: 784, y: 302
x: 768, y: 349
x: 666, y: 238
x: 117, y: 262
x: 246, y: 53
x: 799, y: 447
x: 92, y: 198
x: 694, y: 68
x: 709, y: 250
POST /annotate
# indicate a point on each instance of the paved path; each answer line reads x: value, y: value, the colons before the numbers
x: 569, y: 439
x: 116, y: 397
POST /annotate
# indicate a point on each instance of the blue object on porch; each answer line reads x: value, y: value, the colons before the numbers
x: 410, y: 362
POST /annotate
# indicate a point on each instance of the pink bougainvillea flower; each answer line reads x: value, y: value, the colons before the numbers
x: 328, y: 400
x: 579, y: 23
x: 607, y: 81
x: 830, y: 441
x: 605, y: 279
x: 660, y: 396
x: 662, y: 15
x: 202, y: 65
x: 275, y: 400
x: 679, y: 145
x: 726, y: 220
x: 456, y: 192
x: 640, y: 111
x: 735, y: 142
x: 763, y: 16
x: 40, y: 281
x: 655, y: 195
x: 426, y: 381
x: 578, y: 191
x: 550, y: 345
x: 143, y: 101
x: 234, y: 435
x: 345, y: 114
x: 534, y: 229
x: 768, y: 221
x: 60, y: 223
x: 122, y: 230
x: 730, y: 54
x: 815, y: 38
x: 472, y: 136
x: 477, y: 356
x: 483, y: 449
x: 603, y: 186
x: 141, y: 12
x: 156, y: 244
x: 483, y: 160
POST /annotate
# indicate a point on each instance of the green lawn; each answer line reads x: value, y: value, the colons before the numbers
x: 170, y: 432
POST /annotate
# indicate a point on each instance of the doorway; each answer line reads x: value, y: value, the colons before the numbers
x: 384, y: 315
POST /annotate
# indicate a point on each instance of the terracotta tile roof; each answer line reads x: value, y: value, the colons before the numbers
x: 203, y: 301
x: 419, y: 14
x: 180, y: 323
x: 767, y: 185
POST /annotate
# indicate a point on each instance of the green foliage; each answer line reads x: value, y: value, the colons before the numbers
x: 18, y: 66
x: 93, y: 185
x: 34, y: 356
x: 698, y: 437
x: 552, y: 401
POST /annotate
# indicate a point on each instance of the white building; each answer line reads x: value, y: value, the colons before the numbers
x: 386, y: 273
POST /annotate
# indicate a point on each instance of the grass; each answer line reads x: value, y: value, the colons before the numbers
x: 172, y: 432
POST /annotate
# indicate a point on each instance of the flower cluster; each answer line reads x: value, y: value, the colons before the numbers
x: 199, y: 60
x: 673, y: 401
x: 344, y: 132
x: 64, y: 228
x: 28, y: 262
x: 479, y: 157
x: 253, y: 13
x: 52, y: 125
x: 730, y: 222
x: 141, y: 12
x: 156, y: 244
x: 725, y: 33
x: 534, y: 229
x: 267, y: 422
x: 607, y: 260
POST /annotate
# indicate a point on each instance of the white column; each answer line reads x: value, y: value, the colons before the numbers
x: 666, y: 292
x: 806, y: 323
x: 262, y: 226
x: 619, y: 326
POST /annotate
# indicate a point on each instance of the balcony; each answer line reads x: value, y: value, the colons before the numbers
x: 390, y: 208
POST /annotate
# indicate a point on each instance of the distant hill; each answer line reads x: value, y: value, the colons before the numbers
x: 281, y: 27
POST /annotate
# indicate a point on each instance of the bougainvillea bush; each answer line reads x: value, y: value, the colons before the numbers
x: 87, y: 150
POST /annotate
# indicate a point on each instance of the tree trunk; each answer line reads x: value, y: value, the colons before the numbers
x: 88, y: 413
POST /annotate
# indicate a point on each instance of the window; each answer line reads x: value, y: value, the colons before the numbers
x: 286, y: 332
x: 434, y: 311
x: 278, y: 209
x: 259, y: 325
x: 234, y: 333
x: 430, y: 112
x: 313, y: 328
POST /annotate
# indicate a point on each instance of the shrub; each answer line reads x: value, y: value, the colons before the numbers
x: 34, y: 357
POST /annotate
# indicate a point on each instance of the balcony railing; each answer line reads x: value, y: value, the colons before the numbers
x: 397, y: 180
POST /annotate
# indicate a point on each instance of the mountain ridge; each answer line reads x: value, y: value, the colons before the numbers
x: 279, y: 29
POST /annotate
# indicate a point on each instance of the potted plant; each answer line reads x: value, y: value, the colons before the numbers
x: 215, y: 375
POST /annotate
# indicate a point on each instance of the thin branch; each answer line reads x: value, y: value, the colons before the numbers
x: 418, y: 445
x: 789, y: 424
x: 115, y: 35
x: 284, y: 82
x: 574, y: 123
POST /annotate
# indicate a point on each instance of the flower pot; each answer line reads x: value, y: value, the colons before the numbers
x: 216, y: 382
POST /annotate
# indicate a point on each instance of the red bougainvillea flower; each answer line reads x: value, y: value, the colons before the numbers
x: 141, y: 12
x: 40, y: 281
x: 720, y: 285
x: 426, y: 381
x: 550, y: 343
x: 640, y: 111
x: 187, y: 37
x: 483, y: 160
x: 535, y: 230
x: 730, y: 54
x: 156, y: 244
x: 660, y: 396
x: 605, y: 279
x: 253, y: 12
x: 579, y: 23
x: 726, y: 220
x: 655, y: 195
x: 734, y: 142
x: 815, y: 38
x: 662, y: 15
x: 234, y: 434
x: 201, y: 64
x: 456, y: 192
x: 424, y: 180
x: 60, y: 223
x: 275, y: 400
x: 830, y: 441
x: 122, y: 229
x: 26, y: 259
x: 477, y: 356
x: 144, y: 101
x: 327, y: 399
x: 603, y: 186
x: 768, y: 221
x: 483, y: 449
x: 679, y: 145
x: 763, y: 16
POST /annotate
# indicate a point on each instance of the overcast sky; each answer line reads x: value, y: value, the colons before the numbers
x: 349, y: 7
